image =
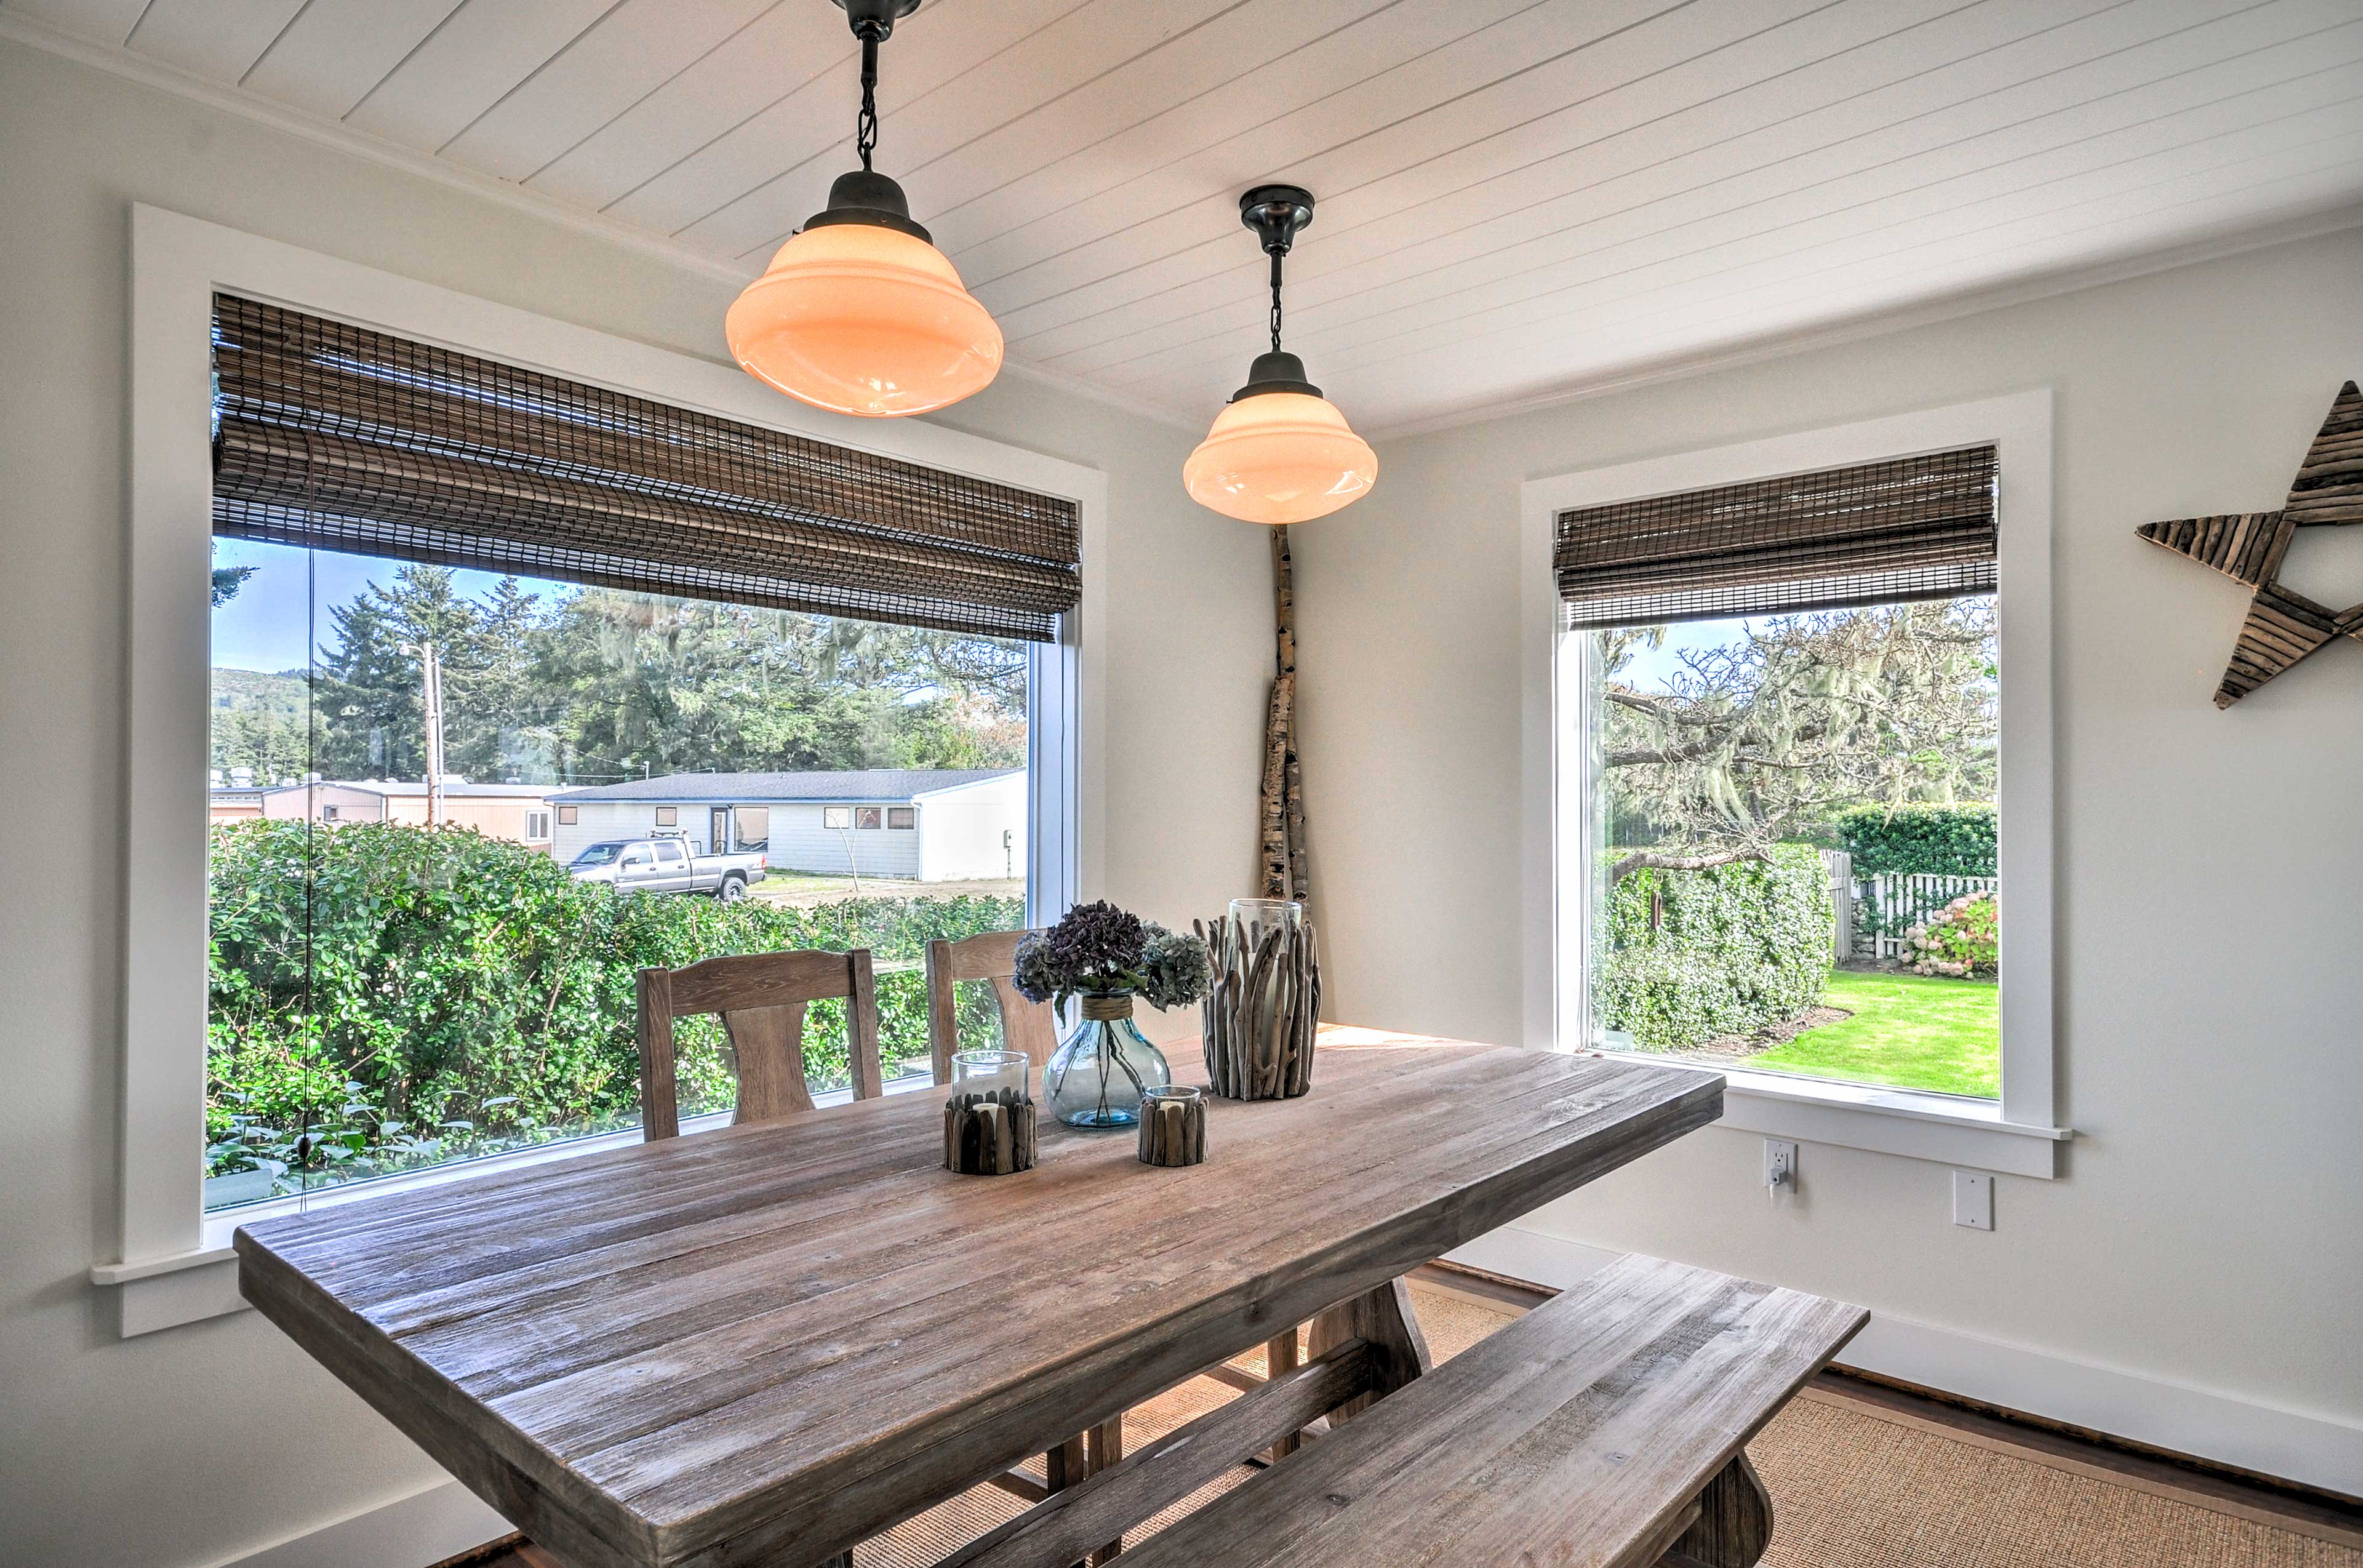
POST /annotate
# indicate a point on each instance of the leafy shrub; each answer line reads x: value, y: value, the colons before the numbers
x: 464, y: 994
x: 1736, y: 947
x: 1917, y: 841
x: 1963, y: 939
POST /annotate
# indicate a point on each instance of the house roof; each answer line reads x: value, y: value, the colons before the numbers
x: 452, y: 790
x: 864, y: 783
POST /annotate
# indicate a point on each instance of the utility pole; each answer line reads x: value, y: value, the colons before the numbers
x: 430, y: 679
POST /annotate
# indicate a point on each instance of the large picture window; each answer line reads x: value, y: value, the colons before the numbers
x: 1782, y: 698
x: 445, y: 606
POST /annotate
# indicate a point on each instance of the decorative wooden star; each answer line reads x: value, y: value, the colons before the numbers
x: 2283, y: 627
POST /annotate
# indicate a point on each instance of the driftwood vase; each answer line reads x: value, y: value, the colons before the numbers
x: 1265, y: 1003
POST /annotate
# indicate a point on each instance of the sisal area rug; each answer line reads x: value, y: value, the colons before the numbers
x: 1853, y: 1487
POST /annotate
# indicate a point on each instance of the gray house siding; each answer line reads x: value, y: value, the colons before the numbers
x: 798, y: 840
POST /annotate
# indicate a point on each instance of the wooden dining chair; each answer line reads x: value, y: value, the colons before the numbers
x: 762, y: 998
x: 1029, y: 1026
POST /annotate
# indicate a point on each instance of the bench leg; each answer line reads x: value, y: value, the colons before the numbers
x: 1384, y: 1316
x: 1734, y: 1522
x: 1107, y: 1448
x: 1282, y: 1356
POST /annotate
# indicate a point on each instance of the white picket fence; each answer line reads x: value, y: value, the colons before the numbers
x: 1898, y: 903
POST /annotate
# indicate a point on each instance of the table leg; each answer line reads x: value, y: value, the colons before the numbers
x: 1735, y: 1523
x: 1384, y: 1318
x: 1107, y: 1448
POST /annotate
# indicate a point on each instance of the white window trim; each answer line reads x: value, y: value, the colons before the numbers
x: 2020, y: 1135
x: 168, y: 1271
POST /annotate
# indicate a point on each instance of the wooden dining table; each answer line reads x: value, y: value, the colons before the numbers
x: 767, y: 1343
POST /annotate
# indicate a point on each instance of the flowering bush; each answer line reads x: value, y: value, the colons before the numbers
x: 1099, y: 950
x: 1962, y: 939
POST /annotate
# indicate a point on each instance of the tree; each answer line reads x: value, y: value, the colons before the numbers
x: 1767, y: 737
x: 372, y: 711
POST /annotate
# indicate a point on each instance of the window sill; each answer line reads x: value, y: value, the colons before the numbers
x: 188, y: 1287
x: 1944, y: 1129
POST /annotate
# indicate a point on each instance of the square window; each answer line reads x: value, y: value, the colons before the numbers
x: 836, y: 818
x: 327, y: 814
x: 537, y: 826
x: 902, y: 817
x: 869, y: 817
x: 568, y: 816
x: 668, y: 817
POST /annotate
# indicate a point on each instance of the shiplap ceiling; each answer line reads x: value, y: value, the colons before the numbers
x: 1515, y: 196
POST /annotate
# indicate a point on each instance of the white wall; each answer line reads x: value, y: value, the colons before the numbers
x: 2208, y: 1231
x: 198, y: 1445
x: 961, y: 829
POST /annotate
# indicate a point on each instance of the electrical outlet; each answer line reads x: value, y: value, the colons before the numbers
x: 1973, y: 1200
x: 1780, y: 1165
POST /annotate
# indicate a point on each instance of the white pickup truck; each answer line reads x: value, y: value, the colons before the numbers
x: 666, y: 865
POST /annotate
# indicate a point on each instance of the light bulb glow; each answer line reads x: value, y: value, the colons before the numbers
x: 864, y: 319
x: 1279, y: 457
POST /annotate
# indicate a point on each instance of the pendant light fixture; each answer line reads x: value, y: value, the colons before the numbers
x: 1280, y: 453
x: 858, y: 312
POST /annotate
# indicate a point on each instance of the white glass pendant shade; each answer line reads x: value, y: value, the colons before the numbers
x: 864, y: 319
x: 1279, y: 457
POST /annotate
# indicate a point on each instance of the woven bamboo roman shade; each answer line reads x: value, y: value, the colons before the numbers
x: 341, y: 437
x: 1913, y: 527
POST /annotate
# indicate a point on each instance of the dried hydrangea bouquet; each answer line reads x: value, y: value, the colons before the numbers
x: 1101, y: 957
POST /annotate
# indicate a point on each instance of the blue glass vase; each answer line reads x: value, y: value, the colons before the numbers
x: 1104, y: 1066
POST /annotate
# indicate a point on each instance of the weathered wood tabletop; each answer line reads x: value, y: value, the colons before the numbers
x: 765, y: 1343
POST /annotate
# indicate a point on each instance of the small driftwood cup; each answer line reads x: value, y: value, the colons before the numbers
x: 989, y: 1134
x: 1173, y: 1127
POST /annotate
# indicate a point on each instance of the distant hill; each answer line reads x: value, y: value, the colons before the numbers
x: 279, y: 694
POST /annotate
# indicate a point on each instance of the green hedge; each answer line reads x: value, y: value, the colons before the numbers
x: 1737, y: 947
x: 465, y: 995
x: 1917, y: 841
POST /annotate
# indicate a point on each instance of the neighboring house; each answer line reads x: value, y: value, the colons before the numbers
x: 912, y: 824
x: 519, y: 813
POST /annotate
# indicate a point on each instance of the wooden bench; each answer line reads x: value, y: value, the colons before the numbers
x: 1607, y: 1429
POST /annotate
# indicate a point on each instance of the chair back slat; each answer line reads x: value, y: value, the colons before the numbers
x: 1029, y: 1026
x: 762, y: 999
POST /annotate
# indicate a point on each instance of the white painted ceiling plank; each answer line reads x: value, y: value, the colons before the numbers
x: 1237, y: 108
x: 1390, y: 227
x: 633, y: 51
x: 1208, y: 183
x: 798, y: 145
x: 1190, y: 68
x: 336, y: 51
x: 990, y: 89
x: 477, y: 55
x: 1827, y: 280
x: 1174, y: 250
x: 1509, y: 367
x: 784, y: 50
x: 1717, y: 218
x: 101, y: 21
x: 217, y: 39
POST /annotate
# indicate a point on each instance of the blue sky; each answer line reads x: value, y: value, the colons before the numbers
x: 270, y: 625
x: 1650, y: 668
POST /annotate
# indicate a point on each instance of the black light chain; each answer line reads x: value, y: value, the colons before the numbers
x: 1275, y: 302
x: 865, y: 124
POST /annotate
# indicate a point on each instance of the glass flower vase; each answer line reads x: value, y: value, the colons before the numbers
x: 1104, y: 1066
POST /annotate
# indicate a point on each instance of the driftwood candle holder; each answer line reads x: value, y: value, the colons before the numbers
x: 989, y: 1134
x: 1265, y: 1004
x: 1173, y: 1127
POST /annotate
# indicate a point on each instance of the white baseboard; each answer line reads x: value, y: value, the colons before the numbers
x: 426, y: 1526
x: 2285, y: 1443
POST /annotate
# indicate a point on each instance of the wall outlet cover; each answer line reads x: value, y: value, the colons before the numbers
x: 1973, y: 1199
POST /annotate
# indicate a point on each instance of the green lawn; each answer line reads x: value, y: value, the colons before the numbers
x: 1911, y: 1031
